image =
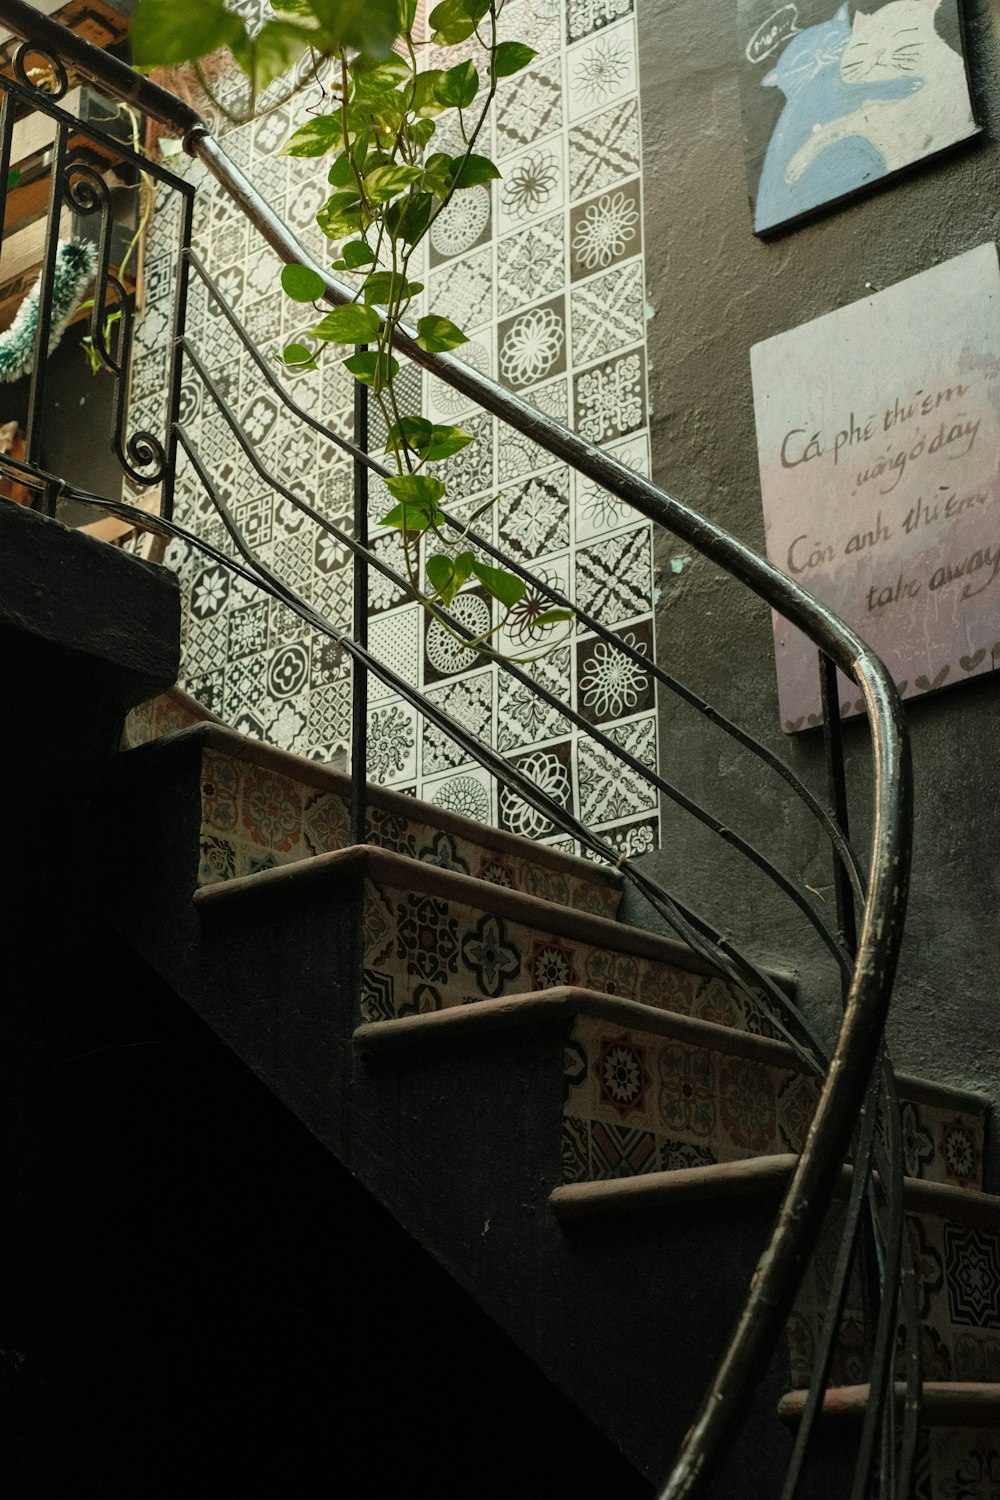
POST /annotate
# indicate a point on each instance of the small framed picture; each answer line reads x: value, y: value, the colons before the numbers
x: 837, y: 96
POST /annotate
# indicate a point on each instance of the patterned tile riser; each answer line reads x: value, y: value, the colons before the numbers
x: 254, y: 818
x: 956, y: 1463
x: 681, y: 1106
x: 423, y: 953
x: 958, y: 1294
x: 647, y: 1104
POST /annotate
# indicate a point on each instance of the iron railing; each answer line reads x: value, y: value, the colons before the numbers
x: 858, y: 1114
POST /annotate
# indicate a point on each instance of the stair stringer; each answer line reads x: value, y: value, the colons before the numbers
x: 460, y: 1141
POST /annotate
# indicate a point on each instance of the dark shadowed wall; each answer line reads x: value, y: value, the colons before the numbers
x: 716, y: 290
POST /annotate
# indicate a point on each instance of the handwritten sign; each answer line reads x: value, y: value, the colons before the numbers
x: 878, y: 433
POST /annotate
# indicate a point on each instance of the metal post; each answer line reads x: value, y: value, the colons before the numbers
x: 359, y: 677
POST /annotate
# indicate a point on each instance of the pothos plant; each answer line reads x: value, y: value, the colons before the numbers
x: 391, y: 179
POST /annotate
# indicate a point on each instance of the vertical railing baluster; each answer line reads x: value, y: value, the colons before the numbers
x: 359, y: 677
x: 836, y: 780
x: 177, y: 357
x: 6, y: 137
x: 36, y: 395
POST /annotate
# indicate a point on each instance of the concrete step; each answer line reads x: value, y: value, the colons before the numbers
x: 653, y: 1091
x: 164, y: 715
x: 434, y: 938
x: 958, y: 1454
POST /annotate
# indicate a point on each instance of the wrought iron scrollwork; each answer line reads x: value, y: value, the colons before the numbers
x: 141, y: 454
x: 53, y: 70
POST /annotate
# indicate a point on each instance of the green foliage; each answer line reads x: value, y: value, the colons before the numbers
x: 387, y: 188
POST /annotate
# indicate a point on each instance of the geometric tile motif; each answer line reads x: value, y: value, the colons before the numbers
x: 604, y: 150
x: 585, y: 16
x: 622, y: 1077
x: 530, y: 108
x: 614, y: 577
x: 617, y: 1151
x: 959, y: 1152
x: 523, y: 718
x: 567, y: 133
x: 610, y: 398
x: 530, y: 264
x: 607, y: 312
x: 465, y: 288
x: 972, y: 1266
x: 609, y: 791
x: 469, y: 701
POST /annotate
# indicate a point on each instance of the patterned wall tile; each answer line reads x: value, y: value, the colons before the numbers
x: 530, y: 264
x: 544, y: 270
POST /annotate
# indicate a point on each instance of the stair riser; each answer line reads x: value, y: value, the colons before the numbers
x: 254, y: 818
x: 958, y: 1289
x: 642, y: 1103
x: 424, y: 952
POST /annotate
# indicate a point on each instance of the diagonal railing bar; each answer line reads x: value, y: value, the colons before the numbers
x: 353, y: 450
x: 511, y: 668
x: 845, y: 853
x: 867, y: 996
x: 702, y: 938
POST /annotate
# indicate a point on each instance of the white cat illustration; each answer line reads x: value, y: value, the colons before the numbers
x: 898, y: 41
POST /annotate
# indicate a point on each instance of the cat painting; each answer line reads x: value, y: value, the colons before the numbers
x: 898, y: 41
x: 808, y: 73
x: 863, y: 98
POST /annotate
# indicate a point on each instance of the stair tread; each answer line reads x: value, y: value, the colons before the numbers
x: 958, y: 1403
x: 560, y: 1002
x: 384, y: 866
x: 752, y: 1175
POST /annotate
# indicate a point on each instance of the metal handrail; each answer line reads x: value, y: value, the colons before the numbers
x: 868, y: 993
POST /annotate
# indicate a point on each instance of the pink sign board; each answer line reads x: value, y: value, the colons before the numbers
x: 878, y: 433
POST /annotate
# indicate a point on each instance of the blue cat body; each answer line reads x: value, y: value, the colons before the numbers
x: 808, y: 73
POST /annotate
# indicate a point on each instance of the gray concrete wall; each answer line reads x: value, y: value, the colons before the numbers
x: 715, y: 290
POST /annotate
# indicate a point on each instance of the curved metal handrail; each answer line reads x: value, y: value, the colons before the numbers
x: 866, y: 1002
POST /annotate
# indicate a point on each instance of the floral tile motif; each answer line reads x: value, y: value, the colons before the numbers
x: 964, y: 1464
x: 601, y: 69
x: 696, y: 1106
x: 605, y: 230
x: 610, y: 684
x: 534, y: 518
x: 532, y: 345
x: 586, y: 16
x: 533, y: 185
x: 499, y: 956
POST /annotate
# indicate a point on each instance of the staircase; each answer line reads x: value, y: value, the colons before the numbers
x: 585, y: 1125
x: 622, y: 1144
